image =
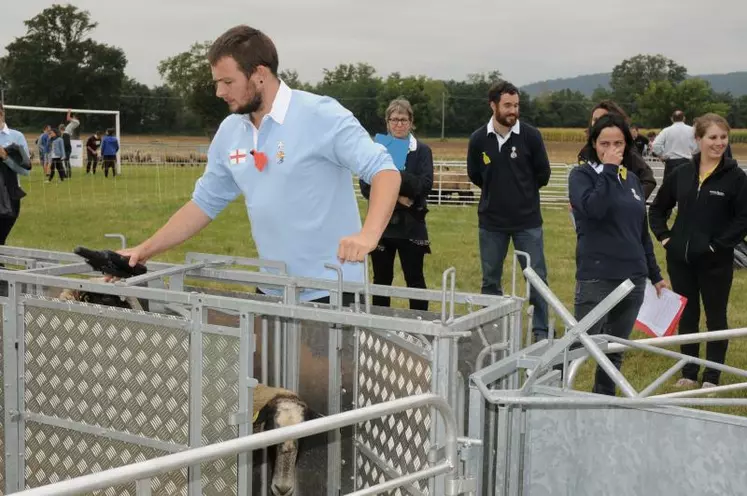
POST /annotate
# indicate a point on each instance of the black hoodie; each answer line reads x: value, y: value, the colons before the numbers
x: 711, y: 217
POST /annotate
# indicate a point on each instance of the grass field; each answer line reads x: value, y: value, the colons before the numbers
x: 61, y: 216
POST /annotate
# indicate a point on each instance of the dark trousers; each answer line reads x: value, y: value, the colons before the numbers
x: 7, y: 223
x: 493, y: 250
x: 92, y: 160
x: 57, y: 164
x: 110, y: 162
x: 618, y: 322
x: 68, y: 152
x: 671, y: 164
x: 708, y: 278
x: 411, y: 259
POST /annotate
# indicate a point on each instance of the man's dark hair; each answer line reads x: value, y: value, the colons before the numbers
x: 501, y: 88
x: 249, y: 47
x: 678, y: 116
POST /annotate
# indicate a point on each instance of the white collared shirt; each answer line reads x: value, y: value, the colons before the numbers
x: 277, y: 112
x: 676, y: 142
x: 516, y: 129
x: 413, y: 143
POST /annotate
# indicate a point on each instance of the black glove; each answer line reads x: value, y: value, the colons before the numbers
x: 110, y: 262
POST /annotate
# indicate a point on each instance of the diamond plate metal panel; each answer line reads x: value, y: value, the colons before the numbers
x: 220, y: 399
x: 2, y: 408
x: 108, y: 372
x: 387, y: 372
x: 54, y: 454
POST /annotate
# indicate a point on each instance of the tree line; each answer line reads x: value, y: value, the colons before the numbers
x: 57, y: 64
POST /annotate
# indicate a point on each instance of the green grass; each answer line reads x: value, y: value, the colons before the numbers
x: 60, y: 216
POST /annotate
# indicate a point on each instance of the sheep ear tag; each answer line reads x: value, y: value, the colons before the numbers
x: 260, y: 160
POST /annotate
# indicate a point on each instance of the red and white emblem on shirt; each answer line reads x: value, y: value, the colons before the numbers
x: 237, y: 156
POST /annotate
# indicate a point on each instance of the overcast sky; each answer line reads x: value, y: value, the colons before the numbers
x: 527, y: 40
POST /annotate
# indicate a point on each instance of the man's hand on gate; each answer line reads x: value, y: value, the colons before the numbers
x: 355, y: 248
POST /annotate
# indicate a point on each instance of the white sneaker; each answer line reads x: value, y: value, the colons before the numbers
x: 683, y: 382
x: 707, y: 385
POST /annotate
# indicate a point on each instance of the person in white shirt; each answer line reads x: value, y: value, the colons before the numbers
x: 675, y: 144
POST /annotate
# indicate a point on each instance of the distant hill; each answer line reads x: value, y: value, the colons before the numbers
x: 735, y: 82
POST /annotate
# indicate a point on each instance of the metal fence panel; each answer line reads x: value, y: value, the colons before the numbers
x: 399, y: 443
x: 220, y: 379
x: 2, y: 405
x: 630, y: 451
x: 109, y: 373
x: 54, y: 454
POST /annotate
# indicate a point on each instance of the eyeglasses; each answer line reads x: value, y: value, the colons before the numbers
x: 401, y: 122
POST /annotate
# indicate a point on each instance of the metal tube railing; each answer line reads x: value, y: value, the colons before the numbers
x: 598, y: 400
x: 578, y: 329
x: 143, y: 471
x: 702, y: 337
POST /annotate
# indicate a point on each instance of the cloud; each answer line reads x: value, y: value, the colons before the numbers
x: 527, y: 41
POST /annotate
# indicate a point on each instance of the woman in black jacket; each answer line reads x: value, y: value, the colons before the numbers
x: 14, y: 160
x: 406, y: 232
x: 710, y: 193
x: 633, y: 161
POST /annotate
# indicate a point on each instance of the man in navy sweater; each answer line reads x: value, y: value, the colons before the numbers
x: 507, y: 160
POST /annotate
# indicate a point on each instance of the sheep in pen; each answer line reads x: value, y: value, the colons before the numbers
x: 272, y: 407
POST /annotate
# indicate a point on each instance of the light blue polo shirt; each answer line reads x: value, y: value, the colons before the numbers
x: 302, y: 203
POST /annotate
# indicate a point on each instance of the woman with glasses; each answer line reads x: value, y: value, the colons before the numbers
x: 407, y: 232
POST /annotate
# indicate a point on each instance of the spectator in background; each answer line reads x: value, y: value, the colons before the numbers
x: 613, y: 240
x: 508, y: 161
x: 650, y: 136
x: 109, y: 149
x: 710, y: 192
x: 67, y: 149
x: 635, y: 163
x: 406, y: 232
x: 640, y: 141
x: 92, y: 147
x: 73, y: 125
x: 70, y: 131
x: 58, y: 156
x: 42, y: 143
x: 675, y: 144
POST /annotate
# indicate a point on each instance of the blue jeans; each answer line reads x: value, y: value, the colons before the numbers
x: 618, y: 322
x: 493, y: 250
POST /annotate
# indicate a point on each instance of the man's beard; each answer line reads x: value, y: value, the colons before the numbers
x: 503, y: 120
x: 252, y: 106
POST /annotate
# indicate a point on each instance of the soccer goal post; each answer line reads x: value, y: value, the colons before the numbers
x: 115, y: 113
